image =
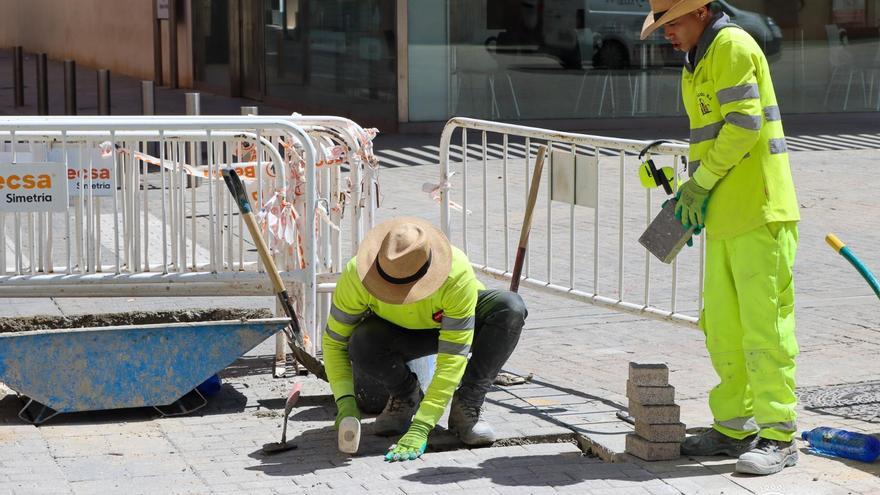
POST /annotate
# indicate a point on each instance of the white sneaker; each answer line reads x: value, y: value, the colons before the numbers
x: 349, y: 435
x: 768, y: 457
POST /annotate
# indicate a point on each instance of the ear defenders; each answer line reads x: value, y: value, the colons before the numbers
x: 650, y: 176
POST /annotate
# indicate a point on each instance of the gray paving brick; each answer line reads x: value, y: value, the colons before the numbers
x: 660, y: 433
x: 475, y: 483
x: 523, y: 490
x: 36, y: 486
x: 655, y: 414
x: 662, y: 489
x: 648, y: 374
x: 650, y: 396
x: 619, y: 491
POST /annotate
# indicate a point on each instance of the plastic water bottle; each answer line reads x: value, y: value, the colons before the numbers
x: 842, y: 443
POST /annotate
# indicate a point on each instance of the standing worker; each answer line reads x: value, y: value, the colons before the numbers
x: 743, y: 194
x: 407, y: 294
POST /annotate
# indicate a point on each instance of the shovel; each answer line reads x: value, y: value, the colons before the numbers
x: 282, y: 446
x: 293, y: 332
x: 527, y: 220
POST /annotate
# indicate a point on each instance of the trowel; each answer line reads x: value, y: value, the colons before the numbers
x: 284, y: 445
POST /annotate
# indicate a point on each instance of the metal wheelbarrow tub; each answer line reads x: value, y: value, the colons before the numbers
x: 89, y: 369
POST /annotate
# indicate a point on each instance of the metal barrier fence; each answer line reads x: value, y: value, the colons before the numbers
x: 137, y: 223
x: 588, y: 210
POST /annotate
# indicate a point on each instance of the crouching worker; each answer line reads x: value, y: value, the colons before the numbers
x: 408, y: 294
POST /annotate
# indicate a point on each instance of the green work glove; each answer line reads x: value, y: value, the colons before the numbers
x: 691, y: 206
x: 690, y: 241
x: 412, y: 445
x: 346, y: 407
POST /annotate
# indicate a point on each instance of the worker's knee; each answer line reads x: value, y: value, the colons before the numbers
x: 508, y: 312
x: 368, y: 341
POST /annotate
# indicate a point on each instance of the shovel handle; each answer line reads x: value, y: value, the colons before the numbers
x: 294, y: 334
x: 236, y: 187
x: 527, y: 220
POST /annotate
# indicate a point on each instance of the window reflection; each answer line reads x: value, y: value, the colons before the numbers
x: 332, y: 53
x: 211, y: 43
x: 549, y: 59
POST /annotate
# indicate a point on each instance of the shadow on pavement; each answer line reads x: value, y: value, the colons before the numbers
x: 317, y: 450
x: 520, y: 471
x: 870, y: 468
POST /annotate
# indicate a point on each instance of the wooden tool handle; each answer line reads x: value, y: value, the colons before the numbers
x: 233, y: 182
x: 527, y: 219
x: 263, y: 250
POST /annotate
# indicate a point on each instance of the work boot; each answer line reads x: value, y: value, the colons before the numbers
x: 768, y: 457
x: 713, y: 442
x: 465, y: 422
x: 398, y: 413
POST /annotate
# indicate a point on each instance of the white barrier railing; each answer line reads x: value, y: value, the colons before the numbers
x: 137, y: 232
x: 600, y: 196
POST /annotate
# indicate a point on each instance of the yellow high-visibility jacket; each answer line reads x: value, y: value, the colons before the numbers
x: 736, y: 140
x: 451, y: 309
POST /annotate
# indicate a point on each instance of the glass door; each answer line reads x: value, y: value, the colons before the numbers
x: 252, y: 52
x: 211, y: 44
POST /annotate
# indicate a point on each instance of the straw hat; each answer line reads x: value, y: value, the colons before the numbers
x: 404, y: 260
x: 664, y: 11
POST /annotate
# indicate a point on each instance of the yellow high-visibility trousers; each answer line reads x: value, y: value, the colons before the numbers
x: 748, y: 319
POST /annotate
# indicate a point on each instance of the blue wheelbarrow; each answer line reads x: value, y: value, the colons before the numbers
x: 90, y: 369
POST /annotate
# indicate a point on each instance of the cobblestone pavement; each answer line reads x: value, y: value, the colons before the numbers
x: 578, y: 354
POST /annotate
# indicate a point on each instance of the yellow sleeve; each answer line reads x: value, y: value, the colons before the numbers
x: 349, y: 306
x: 736, y: 86
x: 456, y: 335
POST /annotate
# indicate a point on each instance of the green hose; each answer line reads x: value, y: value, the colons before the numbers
x: 844, y: 251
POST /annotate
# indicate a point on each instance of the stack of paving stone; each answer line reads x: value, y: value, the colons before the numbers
x: 659, y: 431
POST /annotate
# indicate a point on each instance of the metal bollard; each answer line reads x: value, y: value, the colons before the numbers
x: 148, y: 107
x: 250, y: 111
x: 103, y: 92
x: 148, y: 98
x: 69, y: 87
x: 193, y: 107
x: 193, y: 104
x: 172, y: 42
x: 18, y: 75
x: 42, y: 84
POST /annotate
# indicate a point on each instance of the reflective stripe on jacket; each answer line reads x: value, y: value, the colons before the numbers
x: 455, y: 300
x: 737, y: 143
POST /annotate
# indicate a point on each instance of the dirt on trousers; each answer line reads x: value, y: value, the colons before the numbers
x: 129, y: 318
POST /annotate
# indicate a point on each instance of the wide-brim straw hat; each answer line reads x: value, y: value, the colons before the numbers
x: 664, y: 11
x: 404, y: 260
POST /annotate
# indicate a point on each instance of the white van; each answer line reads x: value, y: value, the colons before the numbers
x: 615, y: 26
x: 605, y: 33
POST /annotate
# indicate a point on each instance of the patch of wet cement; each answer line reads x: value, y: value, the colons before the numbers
x: 46, y: 322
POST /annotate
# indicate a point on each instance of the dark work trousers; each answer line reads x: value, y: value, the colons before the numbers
x: 380, y: 349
